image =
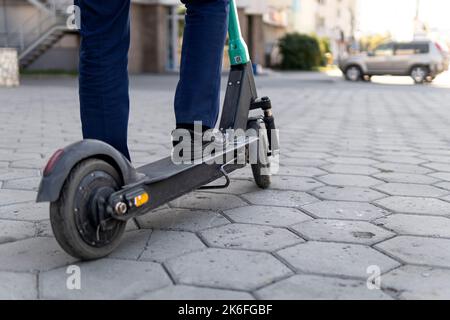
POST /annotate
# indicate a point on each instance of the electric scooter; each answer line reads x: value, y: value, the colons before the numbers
x: 94, y: 190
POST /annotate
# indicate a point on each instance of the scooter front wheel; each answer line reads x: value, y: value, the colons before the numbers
x: 79, y: 219
x: 261, y: 163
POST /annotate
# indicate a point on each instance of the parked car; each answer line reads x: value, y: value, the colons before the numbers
x: 422, y: 60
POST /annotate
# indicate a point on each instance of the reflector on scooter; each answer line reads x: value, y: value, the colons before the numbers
x: 142, y: 199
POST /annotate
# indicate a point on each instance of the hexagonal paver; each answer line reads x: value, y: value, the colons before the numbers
x: 133, y: 245
x: 347, y: 194
x: 33, y: 254
x: 237, y: 187
x: 251, y: 237
x: 344, y: 210
x: 31, y: 184
x: 419, y: 250
x: 427, y: 226
x: 227, y: 269
x: 10, y: 174
x: 411, y: 190
x: 444, y: 167
x: 164, y: 245
x: 294, y: 171
x: 336, y: 259
x: 418, y: 283
x: 15, y: 230
x: 347, y: 180
x: 352, y: 160
x: 308, y: 155
x: 271, y: 216
x: 16, y: 196
x: 208, y: 201
x: 30, y: 211
x: 401, y: 159
x: 445, y: 176
x: 294, y: 183
x: 358, y: 232
x: 18, y: 286
x: 181, y: 220
x: 443, y: 185
x: 351, y: 169
x: 426, y: 206
x: 105, y: 279
x: 309, y: 287
x: 195, y: 293
x: 401, y: 168
x: 279, y: 198
x: 406, y: 178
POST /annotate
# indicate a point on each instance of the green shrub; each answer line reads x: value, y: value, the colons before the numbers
x: 300, y: 52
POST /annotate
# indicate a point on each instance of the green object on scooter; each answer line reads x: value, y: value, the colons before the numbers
x: 238, y: 50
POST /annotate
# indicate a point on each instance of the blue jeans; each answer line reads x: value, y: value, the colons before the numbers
x: 103, y: 73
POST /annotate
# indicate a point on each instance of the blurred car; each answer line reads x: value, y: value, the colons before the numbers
x: 422, y: 60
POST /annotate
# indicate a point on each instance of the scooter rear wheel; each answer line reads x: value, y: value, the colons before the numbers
x: 261, y: 169
x: 77, y: 225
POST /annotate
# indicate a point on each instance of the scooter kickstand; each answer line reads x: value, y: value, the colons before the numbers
x: 227, y: 177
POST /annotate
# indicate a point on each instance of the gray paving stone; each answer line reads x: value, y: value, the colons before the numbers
x: 34, y: 254
x: 182, y: 220
x: 341, y: 259
x: 237, y: 187
x: 351, y: 169
x: 133, y: 245
x: 401, y: 168
x: 426, y: 206
x: 400, y: 159
x: 105, y: 279
x: 227, y: 269
x: 349, y: 180
x: 443, y: 167
x: 30, y: 211
x: 264, y: 215
x: 415, y: 225
x: 303, y: 162
x: 11, y: 231
x: 344, y: 210
x: 352, y: 160
x: 309, y: 155
x: 443, y: 185
x: 31, y: 184
x: 418, y: 283
x: 444, y: 176
x: 411, y: 190
x: 309, y: 287
x: 164, y: 245
x: 208, y: 201
x: 358, y: 232
x: 294, y: 171
x: 195, y: 293
x: 18, y: 286
x: 406, y: 178
x: 250, y: 237
x: 16, y: 196
x: 436, y: 158
x: 10, y: 174
x: 347, y: 194
x: 279, y: 198
x: 419, y: 251
x: 294, y: 183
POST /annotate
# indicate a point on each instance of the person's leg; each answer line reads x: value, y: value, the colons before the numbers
x: 104, y: 100
x: 198, y: 93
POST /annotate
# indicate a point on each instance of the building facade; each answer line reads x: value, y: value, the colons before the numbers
x: 333, y: 19
x: 37, y: 28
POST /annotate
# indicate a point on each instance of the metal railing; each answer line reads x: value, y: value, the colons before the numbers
x: 51, y: 15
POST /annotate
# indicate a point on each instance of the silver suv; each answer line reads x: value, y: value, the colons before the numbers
x: 422, y: 60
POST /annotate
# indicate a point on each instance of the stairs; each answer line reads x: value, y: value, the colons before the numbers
x: 41, y: 31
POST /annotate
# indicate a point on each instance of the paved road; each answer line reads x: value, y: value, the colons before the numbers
x: 364, y: 188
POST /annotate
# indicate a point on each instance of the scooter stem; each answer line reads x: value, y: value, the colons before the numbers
x: 238, y: 50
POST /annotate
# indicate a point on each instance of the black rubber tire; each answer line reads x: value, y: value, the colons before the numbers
x: 263, y: 181
x: 62, y: 216
x: 356, y: 68
x: 425, y: 73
